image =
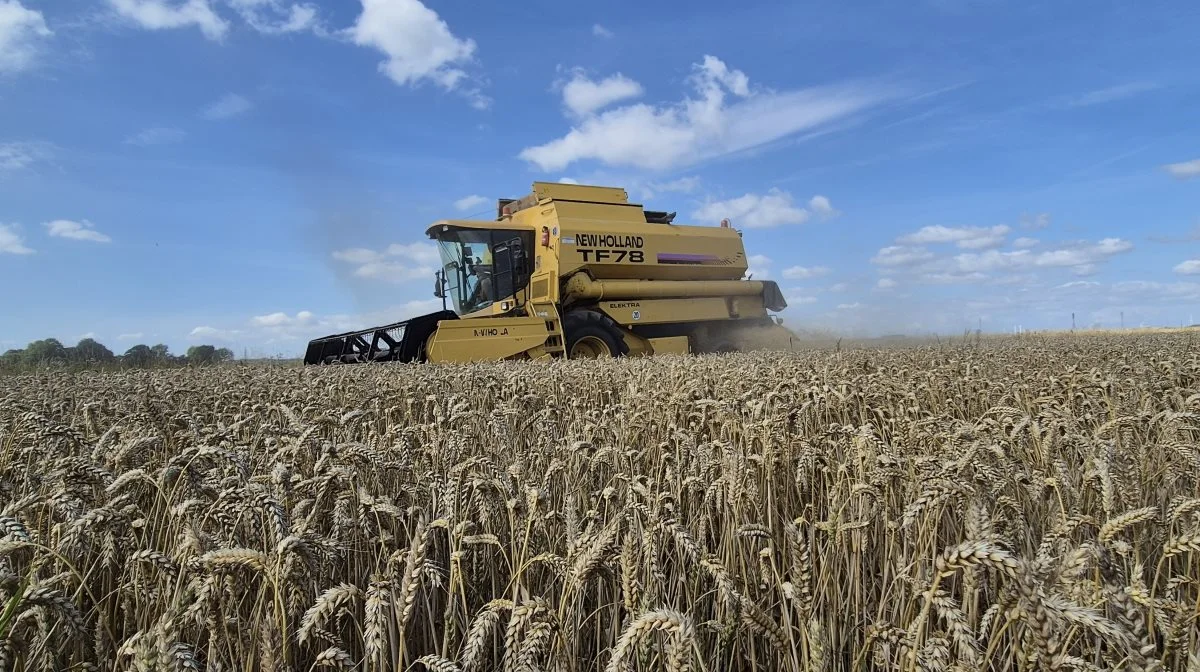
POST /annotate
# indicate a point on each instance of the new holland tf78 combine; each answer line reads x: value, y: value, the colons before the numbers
x: 573, y: 271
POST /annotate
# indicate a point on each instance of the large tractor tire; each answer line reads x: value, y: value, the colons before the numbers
x: 591, y: 335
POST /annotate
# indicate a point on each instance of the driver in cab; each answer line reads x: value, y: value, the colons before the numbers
x: 479, y: 278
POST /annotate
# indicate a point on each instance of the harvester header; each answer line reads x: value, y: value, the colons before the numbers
x: 573, y: 271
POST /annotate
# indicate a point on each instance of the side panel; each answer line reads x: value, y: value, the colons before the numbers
x: 677, y: 345
x: 580, y: 192
x: 486, y: 338
x: 668, y: 311
x: 615, y: 242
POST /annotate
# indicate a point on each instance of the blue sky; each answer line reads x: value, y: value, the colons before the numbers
x: 254, y: 173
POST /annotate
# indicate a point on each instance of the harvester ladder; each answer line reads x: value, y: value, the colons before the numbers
x: 555, y: 342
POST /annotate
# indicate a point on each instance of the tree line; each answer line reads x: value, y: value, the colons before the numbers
x: 91, y: 354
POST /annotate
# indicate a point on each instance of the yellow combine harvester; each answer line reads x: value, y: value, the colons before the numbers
x: 575, y: 271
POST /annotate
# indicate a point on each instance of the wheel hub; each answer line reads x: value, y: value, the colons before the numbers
x: 590, y: 347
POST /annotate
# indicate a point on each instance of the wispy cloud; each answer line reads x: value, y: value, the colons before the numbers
x: 280, y: 319
x: 1112, y: 94
x: 966, y: 237
x: 275, y: 17
x: 156, y: 136
x: 470, y: 202
x: 727, y: 117
x: 228, y: 106
x: 915, y: 257
x: 805, y: 272
x: 22, y: 32
x: 1191, y: 236
x: 760, y: 211
x: 1189, y: 267
x: 1184, y: 170
x: 165, y: 15
x: 16, y: 156
x: 11, y: 242
x: 83, y: 230
x: 600, y: 31
x: 398, y: 263
x: 209, y: 333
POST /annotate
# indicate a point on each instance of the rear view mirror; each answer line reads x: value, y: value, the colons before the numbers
x: 518, y: 253
x: 439, y: 289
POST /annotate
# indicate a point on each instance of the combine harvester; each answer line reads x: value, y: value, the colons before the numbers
x: 574, y: 271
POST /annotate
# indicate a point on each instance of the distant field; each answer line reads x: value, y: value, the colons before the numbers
x: 1000, y: 503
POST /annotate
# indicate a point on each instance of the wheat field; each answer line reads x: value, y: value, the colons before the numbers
x: 1013, y: 504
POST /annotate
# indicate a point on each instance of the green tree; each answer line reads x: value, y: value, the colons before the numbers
x: 12, y: 359
x: 89, y: 350
x: 138, y: 355
x: 201, y: 354
x: 45, y: 351
x: 224, y: 355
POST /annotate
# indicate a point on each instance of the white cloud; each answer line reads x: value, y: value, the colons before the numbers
x: 132, y: 336
x: 417, y: 42
x: 156, y: 136
x: 16, y: 156
x: 600, y: 31
x: 839, y: 287
x: 754, y: 211
x: 582, y: 96
x: 647, y: 191
x: 213, y: 334
x: 1080, y: 257
x: 21, y: 32
x: 567, y: 180
x: 357, y: 255
x: 470, y: 202
x: 275, y: 17
x: 280, y: 319
x: 684, y: 185
x: 82, y: 230
x: 1189, y: 267
x: 289, y: 333
x: 1035, y: 222
x: 167, y: 14
x: 11, y: 242
x: 800, y: 299
x: 697, y: 128
x: 1160, y: 291
x: 849, y: 306
x: 911, y: 253
x: 805, y: 272
x: 966, y: 237
x: 901, y: 255
x: 90, y: 334
x: 821, y: 205
x: 1185, y: 170
x: 399, y: 263
x: 228, y: 106
x: 886, y: 283
x: 1112, y: 93
x: 759, y: 266
x: 953, y: 278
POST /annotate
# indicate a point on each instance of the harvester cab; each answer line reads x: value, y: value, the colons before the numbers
x: 574, y: 271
